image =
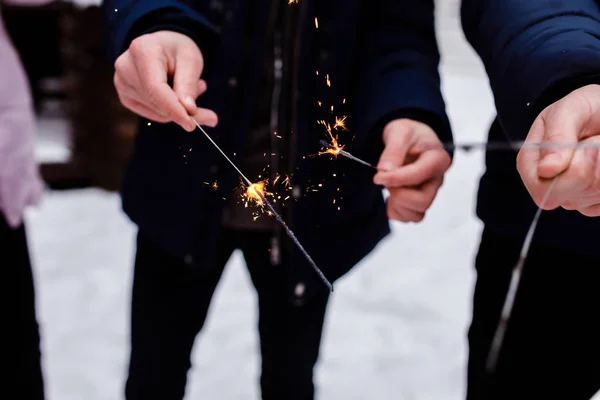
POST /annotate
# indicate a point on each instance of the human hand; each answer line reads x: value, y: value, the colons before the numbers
x: 412, y: 168
x: 142, y: 75
x: 575, y: 119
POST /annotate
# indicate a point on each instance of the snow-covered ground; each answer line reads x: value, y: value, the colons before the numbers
x: 397, y: 324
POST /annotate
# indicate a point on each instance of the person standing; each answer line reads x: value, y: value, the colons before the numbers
x: 543, y: 60
x: 20, y: 186
x: 261, y: 75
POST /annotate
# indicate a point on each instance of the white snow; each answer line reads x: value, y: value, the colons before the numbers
x: 397, y: 324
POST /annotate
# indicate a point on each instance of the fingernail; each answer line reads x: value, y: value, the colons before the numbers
x: 212, y: 123
x: 378, y: 180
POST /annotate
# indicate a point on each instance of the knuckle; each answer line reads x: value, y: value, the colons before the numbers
x: 137, y: 46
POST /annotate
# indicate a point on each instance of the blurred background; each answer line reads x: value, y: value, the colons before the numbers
x: 397, y: 324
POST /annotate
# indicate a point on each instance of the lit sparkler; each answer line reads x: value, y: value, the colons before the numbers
x: 335, y: 149
x: 511, y: 145
x: 256, y: 191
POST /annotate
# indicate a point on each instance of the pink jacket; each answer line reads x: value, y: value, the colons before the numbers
x: 20, y: 182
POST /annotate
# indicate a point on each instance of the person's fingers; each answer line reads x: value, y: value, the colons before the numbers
x: 417, y: 199
x: 561, y: 127
x: 579, y: 185
x: 142, y: 110
x: 206, y: 117
x: 591, y: 211
x: 403, y: 214
x: 153, y: 70
x: 188, y: 68
x: 399, y: 137
x: 430, y: 164
x: 568, y: 121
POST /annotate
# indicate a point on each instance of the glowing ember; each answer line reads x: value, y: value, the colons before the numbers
x: 334, y: 148
x: 340, y: 123
x: 316, y: 23
x: 328, y: 81
x: 256, y: 193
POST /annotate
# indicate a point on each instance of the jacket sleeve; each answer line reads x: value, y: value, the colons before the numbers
x: 128, y: 19
x: 400, y: 77
x: 534, y: 53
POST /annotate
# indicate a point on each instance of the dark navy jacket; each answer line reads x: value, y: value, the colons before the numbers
x: 535, y: 52
x: 382, y: 60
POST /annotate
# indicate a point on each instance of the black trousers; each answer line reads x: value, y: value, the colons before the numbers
x: 552, y: 344
x: 20, y: 356
x: 169, y: 306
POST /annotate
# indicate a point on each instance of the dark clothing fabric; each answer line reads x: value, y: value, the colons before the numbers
x: 382, y: 60
x: 534, y: 56
x: 260, y: 143
x: 169, y: 307
x: 551, y: 348
x: 21, y: 356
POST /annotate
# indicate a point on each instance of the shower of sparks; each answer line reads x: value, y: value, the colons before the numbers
x: 509, y: 301
x: 340, y: 123
x: 335, y: 149
x: 256, y: 191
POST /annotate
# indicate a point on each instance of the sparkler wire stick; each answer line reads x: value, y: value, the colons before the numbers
x: 489, y: 146
x: 494, y: 352
x: 272, y: 209
x: 516, y: 145
x: 348, y: 155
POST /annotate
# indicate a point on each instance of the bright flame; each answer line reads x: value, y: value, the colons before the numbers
x: 256, y: 193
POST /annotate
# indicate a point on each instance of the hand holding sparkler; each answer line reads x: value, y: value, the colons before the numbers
x: 575, y: 119
x: 412, y: 168
x: 142, y: 75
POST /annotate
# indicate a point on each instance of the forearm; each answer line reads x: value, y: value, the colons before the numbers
x: 401, y: 77
x: 533, y: 54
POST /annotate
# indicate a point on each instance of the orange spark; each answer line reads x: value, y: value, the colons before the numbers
x: 334, y: 148
x: 340, y: 123
x: 328, y: 81
x: 316, y: 23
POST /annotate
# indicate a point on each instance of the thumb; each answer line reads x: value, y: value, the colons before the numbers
x: 558, y: 146
x: 398, y: 138
x: 569, y: 120
x: 186, y: 78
